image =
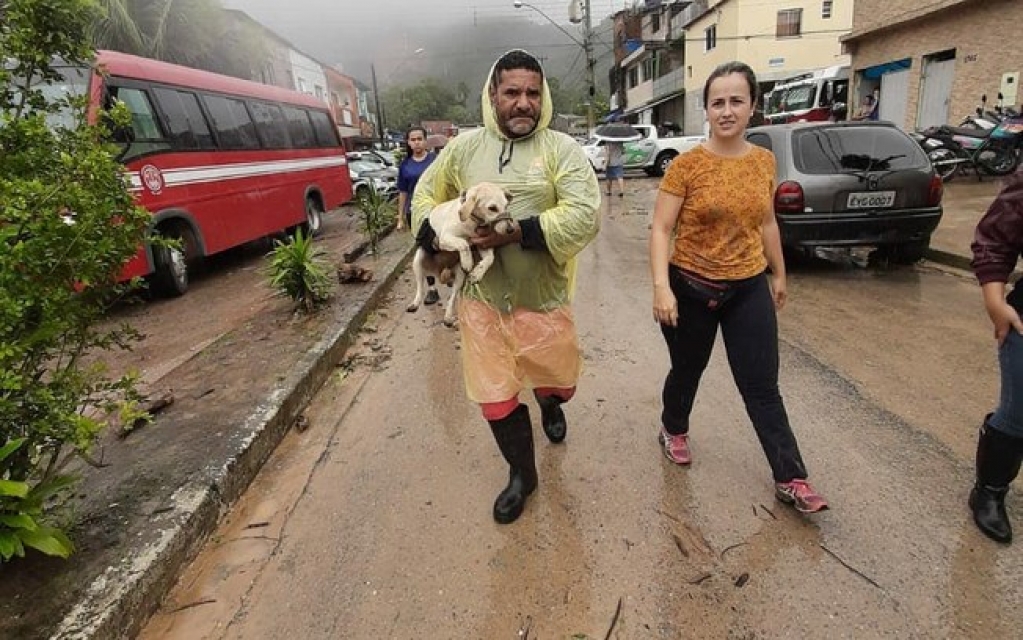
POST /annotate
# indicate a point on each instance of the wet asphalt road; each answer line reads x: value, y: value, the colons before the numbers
x: 375, y: 523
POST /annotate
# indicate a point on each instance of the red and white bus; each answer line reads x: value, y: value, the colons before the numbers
x: 218, y: 161
x: 807, y: 97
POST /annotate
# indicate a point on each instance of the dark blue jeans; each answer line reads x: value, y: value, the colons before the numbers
x: 750, y: 331
x: 1008, y: 417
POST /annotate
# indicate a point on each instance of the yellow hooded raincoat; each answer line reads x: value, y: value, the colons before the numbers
x: 548, y: 176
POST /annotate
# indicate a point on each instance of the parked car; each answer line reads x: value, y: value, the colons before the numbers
x: 652, y: 154
x: 368, y: 175
x: 383, y: 158
x: 842, y: 184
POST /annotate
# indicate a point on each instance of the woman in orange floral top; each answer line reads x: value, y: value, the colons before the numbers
x: 713, y: 237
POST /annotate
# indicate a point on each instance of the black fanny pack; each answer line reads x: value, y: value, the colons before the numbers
x: 710, y: 292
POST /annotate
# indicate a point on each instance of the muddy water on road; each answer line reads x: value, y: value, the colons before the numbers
x: 375, y: 523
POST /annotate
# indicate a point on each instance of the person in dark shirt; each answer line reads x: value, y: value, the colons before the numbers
x: 417, y: 159
x: 997, y: 245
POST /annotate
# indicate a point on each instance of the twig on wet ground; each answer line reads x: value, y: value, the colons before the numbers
x: 192, y: 605
x: 730, y: 547
x: 681, y: 546
x: 769, y: 512
x: 850, y: 567
x: 667, y: 515
x: 614, y: 620
x: 700, y: 578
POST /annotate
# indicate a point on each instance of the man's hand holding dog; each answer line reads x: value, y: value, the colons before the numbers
x: 487, y: 238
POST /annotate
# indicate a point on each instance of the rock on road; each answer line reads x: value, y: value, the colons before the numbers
x: 375, y: 521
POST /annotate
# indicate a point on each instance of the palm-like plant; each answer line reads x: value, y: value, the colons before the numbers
x: 193, y: 33
x: 298, y: 270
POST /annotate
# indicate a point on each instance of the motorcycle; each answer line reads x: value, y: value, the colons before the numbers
x: 995, y: 151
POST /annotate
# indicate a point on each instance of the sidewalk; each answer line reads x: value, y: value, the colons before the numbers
x: 965, y: 202
x: 138, y: 520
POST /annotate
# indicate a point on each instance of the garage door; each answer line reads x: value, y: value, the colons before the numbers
x: 894, y: 93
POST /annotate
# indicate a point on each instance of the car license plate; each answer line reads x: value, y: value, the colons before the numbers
x: 871, y: 200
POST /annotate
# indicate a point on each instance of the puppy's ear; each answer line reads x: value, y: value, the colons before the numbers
x: 468, y: 205
x: 507, y: 195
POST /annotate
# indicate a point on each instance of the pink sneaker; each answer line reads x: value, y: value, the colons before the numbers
x: 676, y: 448
x: 801, y: 495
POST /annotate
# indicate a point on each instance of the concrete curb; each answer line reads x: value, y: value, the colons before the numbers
x: 948, y: 259
x: 118, y: 602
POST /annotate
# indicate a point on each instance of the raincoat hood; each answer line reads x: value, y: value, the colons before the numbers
x: 550, y: 181
x: 490, y: 115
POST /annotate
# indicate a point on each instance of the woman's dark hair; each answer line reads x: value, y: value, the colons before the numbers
x: 408, y: 134
x: 728, y: 69
x: 514, y: 59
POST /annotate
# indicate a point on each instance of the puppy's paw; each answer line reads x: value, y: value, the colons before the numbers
x: 450, y: 322
x: 476, y: 275
x: 412, y: 308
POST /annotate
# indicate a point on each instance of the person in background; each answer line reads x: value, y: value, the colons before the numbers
x: 716, y: 201
x: 868, y: 108
x: 416, y: 160
x: 614, y: 169
x: 516, y: 324
x: 997, y: 244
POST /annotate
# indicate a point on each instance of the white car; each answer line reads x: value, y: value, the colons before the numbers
x: 596, y: 154
x: 369, y: 175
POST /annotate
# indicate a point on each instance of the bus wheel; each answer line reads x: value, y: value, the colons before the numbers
x: 313, y: 216
x: 170, y: 272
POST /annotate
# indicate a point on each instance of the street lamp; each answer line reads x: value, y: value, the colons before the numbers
x: 587, y: 46
x: 376, y: 92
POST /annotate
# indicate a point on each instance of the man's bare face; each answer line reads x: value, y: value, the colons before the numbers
x: 517, y: 100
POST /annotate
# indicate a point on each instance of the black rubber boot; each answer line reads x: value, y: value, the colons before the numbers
x: 552, y: 417
x: 514, y: 436
x: 998, y: 462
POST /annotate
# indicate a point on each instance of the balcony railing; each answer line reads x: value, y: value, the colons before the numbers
x: 669, y: 83
x: 694, y: 11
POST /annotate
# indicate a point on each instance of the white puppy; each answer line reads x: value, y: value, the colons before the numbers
x: 454, y: 221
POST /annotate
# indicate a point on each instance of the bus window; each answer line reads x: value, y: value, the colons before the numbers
x: 184, y: 119
x: 299, y: 129
x: 143, y: 120
x: 231, y: 121
x: 326, y: 134
x: 146, y: 136
x: 271, y: 125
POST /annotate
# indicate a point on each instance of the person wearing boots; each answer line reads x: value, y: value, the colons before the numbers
x: 997, y: 244
x: 516, y: 323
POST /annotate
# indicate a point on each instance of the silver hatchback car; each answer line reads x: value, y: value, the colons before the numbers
x: 844, y: 184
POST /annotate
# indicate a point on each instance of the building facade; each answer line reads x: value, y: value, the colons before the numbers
x: 344, y: 102
x: 931, y: 64
x: 648, y: 78
x: 778, y: 38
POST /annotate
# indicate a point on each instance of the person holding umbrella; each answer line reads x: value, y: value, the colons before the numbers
x: 615, y: 135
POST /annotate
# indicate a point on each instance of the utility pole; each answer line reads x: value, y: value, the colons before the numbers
x: 376, y: 100
x: 588, y: 48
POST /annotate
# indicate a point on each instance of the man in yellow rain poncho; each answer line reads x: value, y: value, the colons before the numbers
x: 516, y: 324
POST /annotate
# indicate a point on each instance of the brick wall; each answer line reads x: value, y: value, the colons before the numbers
x: 986, y: 44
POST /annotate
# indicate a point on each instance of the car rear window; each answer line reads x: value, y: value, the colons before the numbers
x: 823, y: 150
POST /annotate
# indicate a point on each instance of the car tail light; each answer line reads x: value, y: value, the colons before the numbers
x: 788, y: 198
x: 937, y: 189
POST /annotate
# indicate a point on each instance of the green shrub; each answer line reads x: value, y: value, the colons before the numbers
x: 299, y: 270
x: 377, y: 215
x: 67, y: 226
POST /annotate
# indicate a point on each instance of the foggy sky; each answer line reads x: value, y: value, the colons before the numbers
x: 386, y: 33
